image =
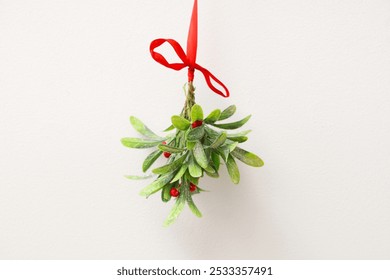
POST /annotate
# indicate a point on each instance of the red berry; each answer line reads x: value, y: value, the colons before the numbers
x: 166, y: 154
x: 192, y: 187
x: 196, y: 123
x: 174, y: 192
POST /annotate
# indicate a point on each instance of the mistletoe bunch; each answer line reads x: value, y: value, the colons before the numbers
x: 199, y: 146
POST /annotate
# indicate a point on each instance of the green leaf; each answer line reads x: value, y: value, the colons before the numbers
x: 213, y: 116
x: 156, y: 185
x: 227, y: 113
x: 223, y: 152
x: 200, y: 155
x: 176, y: 210
x: 194, y: 169
x: 233, y: 171
x: 212, y: 175
x: 170, y: 149
x: 180, y: 173
x: 209, y: 169
x: 171, y: 127
x: 190, y: 144
x: 196, y: 113
x: 195, y: 134
x: 239, y: 139
x: 138, y: 143
x: 180, y: 122
x: 219, y: 140
x: 150, y: 159
x: 165, y: 193
x: 192, y: 205
x: 216, y: 160
x: 135, y: 177
x: 193, y: 180
x: 143, y: 129
x: 227, y: 148
x: 211, y: 132
x: 247, y: 157
x: 231, y: 145
x: 242, y: 133
x: 233, y: 125
x: 170, y: 167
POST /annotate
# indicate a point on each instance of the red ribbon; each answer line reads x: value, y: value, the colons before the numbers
x: 189, y: 59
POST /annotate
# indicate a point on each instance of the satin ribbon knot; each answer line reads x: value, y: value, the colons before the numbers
x: 189, y: 59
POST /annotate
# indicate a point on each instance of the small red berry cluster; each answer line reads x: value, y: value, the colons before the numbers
x: 196, y: 123
x: 166, y: 154
x: 175, y: 192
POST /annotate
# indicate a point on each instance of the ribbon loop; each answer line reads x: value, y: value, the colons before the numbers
x: 161, y: 59
x: 208, y: 77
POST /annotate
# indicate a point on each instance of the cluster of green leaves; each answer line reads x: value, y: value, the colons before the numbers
x: 199, y: 146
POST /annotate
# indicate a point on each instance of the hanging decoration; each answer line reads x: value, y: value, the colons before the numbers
x: 199, y: 144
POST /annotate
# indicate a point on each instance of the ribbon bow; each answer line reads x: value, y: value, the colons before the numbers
x: 189, y: 59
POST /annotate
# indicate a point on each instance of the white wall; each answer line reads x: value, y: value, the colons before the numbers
x: 314, y: 74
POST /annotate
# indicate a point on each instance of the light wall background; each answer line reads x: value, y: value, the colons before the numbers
x: 314, y: 74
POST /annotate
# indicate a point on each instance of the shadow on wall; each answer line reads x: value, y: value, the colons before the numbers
x: 235, y: 223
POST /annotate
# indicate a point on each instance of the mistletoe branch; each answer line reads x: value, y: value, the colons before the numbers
x: 195, y: 150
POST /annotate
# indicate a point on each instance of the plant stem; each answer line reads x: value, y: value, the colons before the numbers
x: 189, y: 91
x: 190, y: 101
